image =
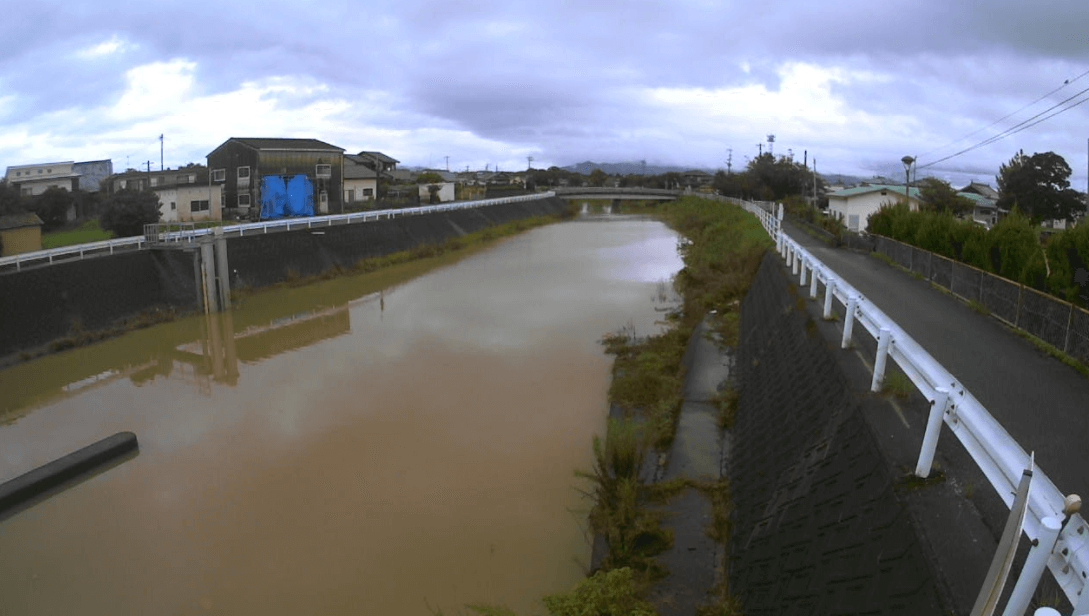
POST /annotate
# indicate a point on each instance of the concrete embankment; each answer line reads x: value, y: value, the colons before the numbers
x: 48, y: 303
x: 818, y: 526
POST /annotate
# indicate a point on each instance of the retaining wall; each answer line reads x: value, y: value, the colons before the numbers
x: 260, y: 260
x: 817, y: 525
x: 42, y: 304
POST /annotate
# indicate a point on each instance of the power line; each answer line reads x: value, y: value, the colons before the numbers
x: 1005, y: 117
x: 1020, y: 126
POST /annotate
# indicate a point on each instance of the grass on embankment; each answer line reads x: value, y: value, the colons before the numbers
x: 89, y: 231
x: 722, y: 249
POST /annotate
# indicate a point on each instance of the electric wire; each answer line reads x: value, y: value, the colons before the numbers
x: 1005, y: 117
x: 1020, y: 126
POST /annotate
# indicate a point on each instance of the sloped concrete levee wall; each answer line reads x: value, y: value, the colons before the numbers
x: 261, y: 260
x: 42, y: 304
x: 817, y: 525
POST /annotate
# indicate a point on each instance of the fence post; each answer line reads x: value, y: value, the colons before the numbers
x: 933, y: 430
x: 829, y: 291
x: 849, y: 322
x: 1034, y: 566
x: 812, y: 283
x: 883, y: 340
x: 1020, y: 297
x: 1069, y: 324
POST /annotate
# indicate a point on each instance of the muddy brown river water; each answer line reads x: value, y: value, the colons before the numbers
x: 396, y: 443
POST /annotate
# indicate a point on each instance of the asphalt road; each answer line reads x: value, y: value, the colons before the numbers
x: 1041, y: 402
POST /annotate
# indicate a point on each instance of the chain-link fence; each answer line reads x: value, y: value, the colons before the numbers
x: 1059, y: 323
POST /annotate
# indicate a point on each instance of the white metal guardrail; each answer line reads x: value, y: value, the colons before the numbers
x: 80, y: 251
x: 998, y: 455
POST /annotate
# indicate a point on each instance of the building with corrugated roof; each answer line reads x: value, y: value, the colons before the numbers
x: 279, y: 177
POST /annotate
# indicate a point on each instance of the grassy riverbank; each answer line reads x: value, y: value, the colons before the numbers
x: 722, y: 249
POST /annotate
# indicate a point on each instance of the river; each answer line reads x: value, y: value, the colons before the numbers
x: 395, y: 443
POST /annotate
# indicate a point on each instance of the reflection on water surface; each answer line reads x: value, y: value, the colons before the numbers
x: 341, y: 448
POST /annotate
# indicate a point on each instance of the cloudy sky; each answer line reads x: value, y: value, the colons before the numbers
x: 856, y: 83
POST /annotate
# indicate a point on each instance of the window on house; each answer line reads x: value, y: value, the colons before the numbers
x: 26, y: 192
x: 324, y: 171
x: 243, y: 173
x: 219, y: 175
x: 368, y: 192
x: 173, y: 205
x: 244, y: 200
x: 155, y: 181
x: 199, y: 205
x: 182, y: 179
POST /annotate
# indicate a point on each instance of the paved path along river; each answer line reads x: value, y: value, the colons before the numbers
x: 1041, y: 402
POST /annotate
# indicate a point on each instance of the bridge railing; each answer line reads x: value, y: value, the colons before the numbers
x: 997, y: 454
x: 187, y: 233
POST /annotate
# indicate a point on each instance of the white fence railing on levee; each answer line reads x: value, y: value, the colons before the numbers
x: 80, y: 251
x: 998, y: 455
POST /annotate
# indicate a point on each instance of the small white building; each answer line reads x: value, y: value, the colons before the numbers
x: 445, y: 192
x: 853, y: 206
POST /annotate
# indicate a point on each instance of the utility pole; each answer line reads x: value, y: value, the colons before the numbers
x: 161, y: 168
x: 729, y: 161
x: 771, y: 144
x: 815, y: 182
x: 447, y: 163
x: 761, y: 150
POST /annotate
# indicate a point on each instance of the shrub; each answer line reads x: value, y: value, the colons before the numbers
x: 1013, y: 242
x: 606, y: 593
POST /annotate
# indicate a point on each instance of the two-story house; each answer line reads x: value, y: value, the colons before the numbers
x: 280, y: 177
x: 185, y: 194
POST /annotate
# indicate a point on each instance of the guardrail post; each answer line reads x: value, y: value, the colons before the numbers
x: 883, y: 341
x: 933, y: 430
x: 813, y: 282
x: 801, y: 277
x: 796, y: 260
x: 1034, y: 566
x: 849, y: 322
x: 829, y: 293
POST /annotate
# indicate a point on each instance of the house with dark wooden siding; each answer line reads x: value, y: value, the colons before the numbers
x: 279, y: 177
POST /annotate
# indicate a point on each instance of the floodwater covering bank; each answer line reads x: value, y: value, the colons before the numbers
x: 443, y: 410
x: 68, y: 304
x: 722, y: 248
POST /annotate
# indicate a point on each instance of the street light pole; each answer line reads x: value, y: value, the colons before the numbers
x: 908, y: 161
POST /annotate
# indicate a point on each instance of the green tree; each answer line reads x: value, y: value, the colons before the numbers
x: 597, y: 177
x: 1039, y: 186
x: 429, y: 177
x: 127, y: 211
x: 11, y: 202
x: 53, y: 206
x: 939, y: 196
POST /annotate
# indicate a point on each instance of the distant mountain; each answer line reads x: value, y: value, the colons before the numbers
x: 631, y: 168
